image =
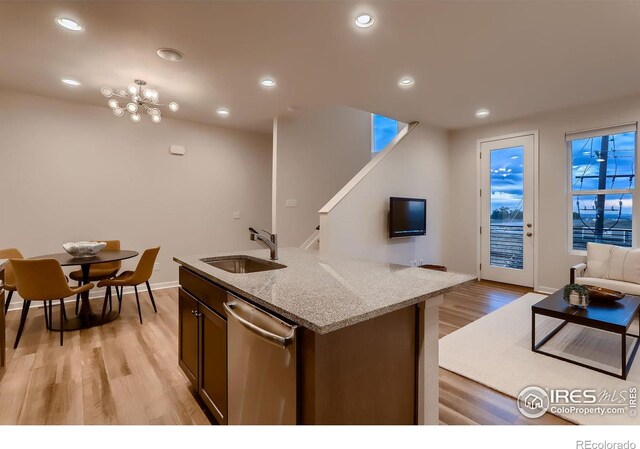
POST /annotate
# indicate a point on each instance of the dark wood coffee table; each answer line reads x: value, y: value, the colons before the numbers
x: 615, y: 317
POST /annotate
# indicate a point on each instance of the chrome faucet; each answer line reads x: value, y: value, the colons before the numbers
x: 271, y: 241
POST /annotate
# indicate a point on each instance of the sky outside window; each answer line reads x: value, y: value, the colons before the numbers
x: 603, y: 166
x: 384, y: 130
x: 585, y: 155
x: 507, y: 180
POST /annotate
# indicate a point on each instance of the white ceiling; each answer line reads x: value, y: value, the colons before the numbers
x: 514, y: 58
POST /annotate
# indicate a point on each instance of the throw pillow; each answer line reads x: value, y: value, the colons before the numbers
x: 617, y: 263
x: 598, y: 259
x: 631, y: 270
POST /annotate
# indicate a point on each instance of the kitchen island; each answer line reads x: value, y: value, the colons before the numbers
x: 364, y: 351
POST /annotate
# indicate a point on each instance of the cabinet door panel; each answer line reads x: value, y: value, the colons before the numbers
x: 188, y: 336
x: 213, y: 363
x: 207, y: 292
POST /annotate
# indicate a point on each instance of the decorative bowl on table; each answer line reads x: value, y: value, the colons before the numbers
x: 603, y: 294
x: 84, y: 249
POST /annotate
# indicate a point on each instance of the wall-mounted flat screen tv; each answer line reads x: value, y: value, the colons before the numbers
x: 407, y: 217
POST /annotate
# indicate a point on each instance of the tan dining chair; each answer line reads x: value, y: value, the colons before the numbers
x: 141, y: 275
x: 42, y: 280
x: 99, y: 271
x: 9, y: 277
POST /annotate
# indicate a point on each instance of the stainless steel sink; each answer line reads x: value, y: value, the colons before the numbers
x: 242, y: 264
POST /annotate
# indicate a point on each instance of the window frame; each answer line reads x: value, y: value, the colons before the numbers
x: 598, y: 132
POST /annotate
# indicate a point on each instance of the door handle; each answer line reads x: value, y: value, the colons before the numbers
x: 529, y: 225
x: 276, y: 339
x: 529, y: 234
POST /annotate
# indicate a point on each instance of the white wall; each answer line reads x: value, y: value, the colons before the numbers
x: 318, y: 152
x: 554, y: 259
x: 72, y: 172
x: 358, y: 225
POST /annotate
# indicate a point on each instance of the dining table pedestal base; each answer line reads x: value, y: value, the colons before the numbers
x: 77, y: 323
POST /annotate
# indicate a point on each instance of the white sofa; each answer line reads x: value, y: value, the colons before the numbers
x: 611, y: 267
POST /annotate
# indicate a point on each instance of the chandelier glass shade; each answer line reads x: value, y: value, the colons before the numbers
x: 136, y: 100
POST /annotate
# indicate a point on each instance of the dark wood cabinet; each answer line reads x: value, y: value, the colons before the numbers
x: 212, y: 376
x: 205, y: 291
x: 188, y: 336
x: 202, y: 340
x: 364, y: 374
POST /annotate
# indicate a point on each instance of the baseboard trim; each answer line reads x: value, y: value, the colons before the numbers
x: 16, y: 301
x: 546, y: 290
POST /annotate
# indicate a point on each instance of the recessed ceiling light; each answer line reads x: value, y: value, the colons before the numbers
x: 223, y: 112
x: 70, y: 82
x: 406, y: 82
x: 364, y: 21
x: 170, y: 54
x: 482, y: 113
x: 268, y: 82
x: 69, y: 24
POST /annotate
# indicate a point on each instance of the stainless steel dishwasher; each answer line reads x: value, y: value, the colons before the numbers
x: 261, y: 352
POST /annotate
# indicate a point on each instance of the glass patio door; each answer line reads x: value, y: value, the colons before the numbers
x: 507, y: 234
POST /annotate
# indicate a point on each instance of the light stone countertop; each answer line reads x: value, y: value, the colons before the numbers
x: 325, y: 297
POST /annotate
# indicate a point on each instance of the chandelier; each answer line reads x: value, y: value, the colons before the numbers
x: 138, y: 99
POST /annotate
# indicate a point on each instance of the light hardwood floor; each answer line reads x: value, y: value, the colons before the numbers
x: 119, y: 373
x: 127, y: 373
x: 463, y: 401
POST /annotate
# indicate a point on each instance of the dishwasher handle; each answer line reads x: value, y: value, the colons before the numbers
x: 276, y: 339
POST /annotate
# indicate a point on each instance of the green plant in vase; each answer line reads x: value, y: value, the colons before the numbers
x: 576, y: 295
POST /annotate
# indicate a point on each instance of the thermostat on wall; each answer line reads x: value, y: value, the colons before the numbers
x: 177, y: 149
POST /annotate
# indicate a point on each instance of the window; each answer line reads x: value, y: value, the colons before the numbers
x: 506, y: 242
x: 383, y: 130
x: 602, y: 186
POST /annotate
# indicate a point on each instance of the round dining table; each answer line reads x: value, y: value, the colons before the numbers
x: 86, y: 318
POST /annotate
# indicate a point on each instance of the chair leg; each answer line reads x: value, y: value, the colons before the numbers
x: 61, y: 321
x: 107, y: 298
x: 47, y: 321
x: 78, y: 299
x: 119, y: 295
x: 138, y: 301
x: 46, y: 316
x: 23, y: 319
x: 64, y: 311
x: 6, y: 304
x: 155, y: 309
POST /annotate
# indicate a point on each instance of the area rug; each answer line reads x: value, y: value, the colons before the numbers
x: 496, y: 352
